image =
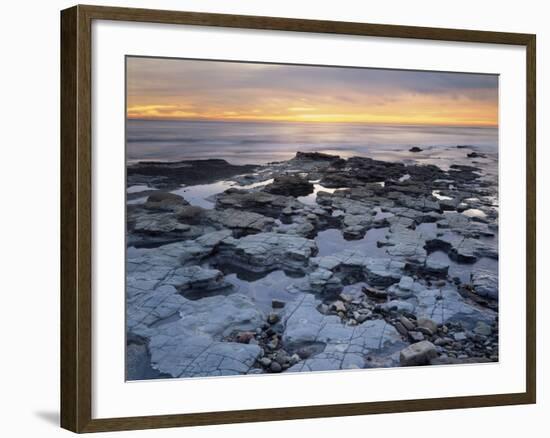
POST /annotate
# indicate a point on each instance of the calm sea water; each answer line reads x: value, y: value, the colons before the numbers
x: 262, y: 142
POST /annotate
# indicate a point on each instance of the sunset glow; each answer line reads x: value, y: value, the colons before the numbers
x: 213, y: 90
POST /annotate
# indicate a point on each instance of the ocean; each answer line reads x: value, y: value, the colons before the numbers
x: 263, y: 142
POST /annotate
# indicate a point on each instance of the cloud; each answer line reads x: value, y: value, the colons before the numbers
x: 217, y: 89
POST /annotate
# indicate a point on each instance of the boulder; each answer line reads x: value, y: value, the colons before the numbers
x: 427, y: 324
x: 419, y: 353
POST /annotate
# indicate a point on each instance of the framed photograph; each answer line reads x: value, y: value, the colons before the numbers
x: 269, y: 218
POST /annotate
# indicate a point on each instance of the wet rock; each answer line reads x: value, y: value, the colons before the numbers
x: 435, y: 268
x: 446, y: 304
x: 165, y: 201
x: 476, y: 155
x: 485, y: 283
x: 275, y: 367
x: 323, y: 280
x: 419, y: 353
x: 461, y: 336
x: 461, y: 249
x: 268, y: 251
x: 190, y: 214
x: 171, y: 175
x: 265, y: 362
x: 244, y: 221
x: 415, y: 149
x: 197, y: 278
x: 407, y: 323
x: 343, y: 347
x: 193, y: 345
x: 406, y: 244
x: 245, y: 337
x: 160, y: 223
x: 338, y: 306
x: 290, y: 185
x: 316, y: 156
x: 377, y: 294
x: 398, y: 306
x: 483, y: 329
x: 401, y: 328
x: 378, y: 272
x: 415, y: 336
x: 273, y: 318
x: 457, y: 361
x: 261, y: 202
x: 427, y: 324
x: 277, y: 304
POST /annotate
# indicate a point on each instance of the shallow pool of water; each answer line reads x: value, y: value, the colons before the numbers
x: 311, y: 199
x: 332, y: 241
x: 463, y: 270
x: 262, y: 289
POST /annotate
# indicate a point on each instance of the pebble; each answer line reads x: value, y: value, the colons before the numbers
x: 273, y: 344
x: 416, y: 336
x: 265, y: 361
x: 427, y: 323
x: 483, y: 329
x: 461, y: 336
x: 323, y: 308
x: 407, y: 323
x: 360, y: 317
x: 276, y: 367
x: 273, y: 318
x: 401, y: 328
x: 347, y: 298
x: 277, y: 304
x: 442, y: 341
x: 282, y: 357
x: 425, y: 331
x: 339, y: 306
x: 245, y: 337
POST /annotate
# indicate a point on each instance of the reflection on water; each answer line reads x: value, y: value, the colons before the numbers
x: 137, y: 189
x: 198, y: 195
x: 201, y: 195
x: 311, y: 199
x: 263, y: 142
x: 261, y: 288
x: 463, y: 270
x: 332, y: 241
x: 474, y: 212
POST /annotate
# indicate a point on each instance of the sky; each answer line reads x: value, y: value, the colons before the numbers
x: 159, y: 88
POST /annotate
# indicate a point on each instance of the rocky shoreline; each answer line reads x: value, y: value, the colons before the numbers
x: 312, y: 264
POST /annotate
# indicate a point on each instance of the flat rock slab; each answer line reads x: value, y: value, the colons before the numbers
x: 375, y: 271
x: 485, y: 283
x: 193, y: 344
x: 240, y: 220
x: 269, y: 251
x: 342, y: 346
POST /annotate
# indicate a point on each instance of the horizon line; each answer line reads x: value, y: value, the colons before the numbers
x: 224, y: 120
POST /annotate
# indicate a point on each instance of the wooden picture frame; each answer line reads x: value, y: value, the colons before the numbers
x: 76, y: 217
